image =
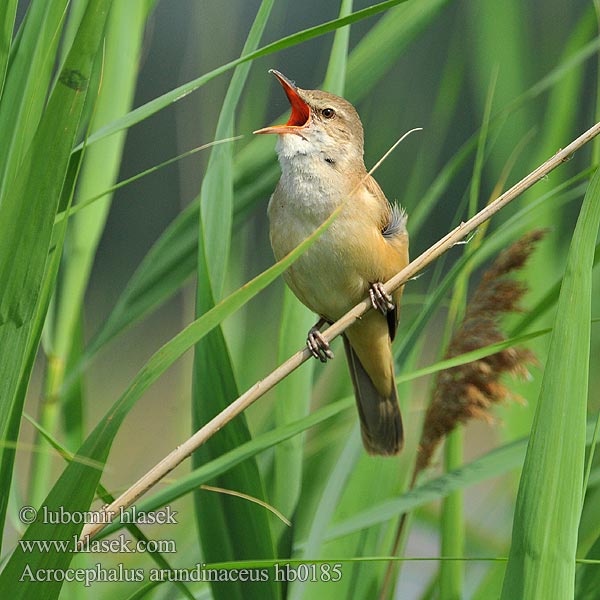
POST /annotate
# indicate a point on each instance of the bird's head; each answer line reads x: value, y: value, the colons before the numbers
x: 321, y: 125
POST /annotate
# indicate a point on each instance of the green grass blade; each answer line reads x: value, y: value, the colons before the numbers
x: 167, y: 266
x: 559, y: 121
x: 493, y: 464
x: 26, y: 219
x: 380, y: 47
x: 589, y: 525
x: 100, y: 168
x: 453, y: 526
x: 223, y: 463
x: 242, y: 528
x: 152, y: 107
x: 26, y: 85
x: 8, y: 12
x: 547, y: 301
x: 335, y: 77
x: 30, y: 211
x: 293, y: 402
x: 588, y: 576
x: 544, y: 542
x: 122, y: 47
x: 108, y: 498
x: 30, y: 338
x: 497, y: 462
x: 326, y: 507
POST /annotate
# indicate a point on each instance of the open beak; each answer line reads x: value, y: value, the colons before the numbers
x: 300, y: 110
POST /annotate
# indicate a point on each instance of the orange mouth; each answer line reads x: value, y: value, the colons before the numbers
x: 300, y: 110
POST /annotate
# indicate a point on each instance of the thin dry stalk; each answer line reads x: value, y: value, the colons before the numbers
x: 178, y: 455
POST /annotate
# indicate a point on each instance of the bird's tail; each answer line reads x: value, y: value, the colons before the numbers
x: 380, y: 419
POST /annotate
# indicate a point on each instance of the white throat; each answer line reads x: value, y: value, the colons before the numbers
x: 307, y: 180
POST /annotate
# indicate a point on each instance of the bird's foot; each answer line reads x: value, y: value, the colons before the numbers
x: 380, y: 299
x: 318, y: 345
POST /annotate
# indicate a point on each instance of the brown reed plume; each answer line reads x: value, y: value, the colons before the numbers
x: 468, y: 391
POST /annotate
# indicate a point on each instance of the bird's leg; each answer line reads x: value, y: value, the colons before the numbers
x: 380, y: 299
x: 317, y: 344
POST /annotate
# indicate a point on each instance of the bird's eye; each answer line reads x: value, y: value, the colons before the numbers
x: 328, y: 113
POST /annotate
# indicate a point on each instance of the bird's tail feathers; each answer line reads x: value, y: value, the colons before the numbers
x: 380, y: 419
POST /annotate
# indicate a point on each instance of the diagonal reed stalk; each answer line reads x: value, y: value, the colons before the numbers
x: 172, y: 460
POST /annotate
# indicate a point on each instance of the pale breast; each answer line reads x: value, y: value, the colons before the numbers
x: 325, y: 278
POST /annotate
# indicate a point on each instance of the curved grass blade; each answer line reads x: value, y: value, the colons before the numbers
x: 107, y: 498
x: 31, y: 338
x: 230, y: 529
x: 588, y: 575
x: 152, y: 107
x: 26, y: 85
x: 544, y: 541
x: 8, y: 12
x: 367, y: 65
x: 212, y: 469
x: 326, y: 507
x: 493, y: 464
x: 122, y: 46
x: 75, y: 488
x: 30, y: 212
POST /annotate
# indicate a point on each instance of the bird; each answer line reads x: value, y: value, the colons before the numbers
x: 320, y: 151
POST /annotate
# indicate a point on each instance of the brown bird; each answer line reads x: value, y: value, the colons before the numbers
x: 320, y: 151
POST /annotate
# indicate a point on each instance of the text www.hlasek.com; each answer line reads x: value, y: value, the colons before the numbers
x: 119, y: 544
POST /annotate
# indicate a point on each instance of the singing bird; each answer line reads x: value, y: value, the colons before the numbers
x: 320, y: 151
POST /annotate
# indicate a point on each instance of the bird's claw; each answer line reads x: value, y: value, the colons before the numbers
x: 380, y: 299
x: 318, y: 345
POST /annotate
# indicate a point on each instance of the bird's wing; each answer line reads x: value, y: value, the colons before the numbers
x: 392, y: 224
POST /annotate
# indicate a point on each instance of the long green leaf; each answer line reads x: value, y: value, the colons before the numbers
x: 493, y: 464
x: 242, y: 528
x: 26, y: 223
x: 13, y: 419
x: 192, y: 481
x: 326, y: 506
x: 544, y: 541
x: 588, y: 575
x: 100, y: 168
x: 26, y: 85
x: 8, y: 12
x: 152, y: 107
x: 107, y: 498
x: 30, y: 212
